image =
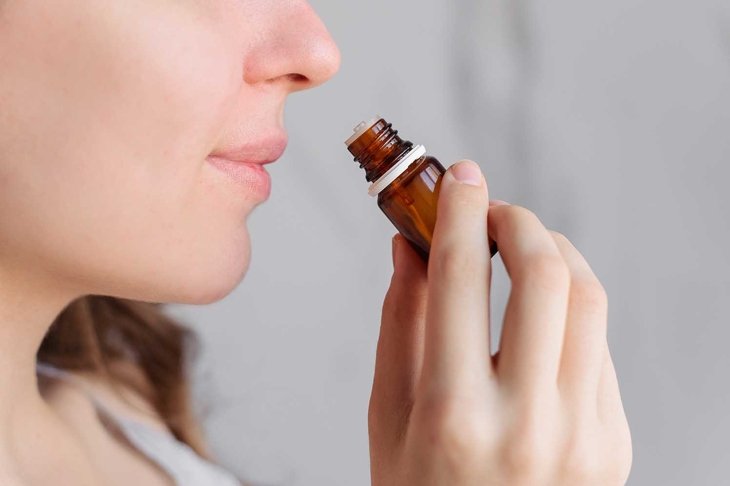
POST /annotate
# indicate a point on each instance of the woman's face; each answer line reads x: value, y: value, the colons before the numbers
x: 108, y: 112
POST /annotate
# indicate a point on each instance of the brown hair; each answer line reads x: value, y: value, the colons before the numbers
x: 93, y: 333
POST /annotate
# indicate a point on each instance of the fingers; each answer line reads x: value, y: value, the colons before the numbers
x: 534, y: 320
x: 584, y: 346
x: 400, y: 345
x: 456, y: 350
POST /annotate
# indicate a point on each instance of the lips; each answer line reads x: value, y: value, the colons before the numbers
x: 264, y: 150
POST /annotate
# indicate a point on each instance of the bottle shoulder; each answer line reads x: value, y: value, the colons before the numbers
x: 427, y: 163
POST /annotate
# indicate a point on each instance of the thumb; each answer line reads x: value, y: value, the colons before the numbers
x: 399, y: 352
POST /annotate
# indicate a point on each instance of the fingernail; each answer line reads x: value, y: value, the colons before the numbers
x: 467, y: 172
x: 498, y: 202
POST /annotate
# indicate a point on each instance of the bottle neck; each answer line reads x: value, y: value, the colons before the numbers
x: 378, y: 148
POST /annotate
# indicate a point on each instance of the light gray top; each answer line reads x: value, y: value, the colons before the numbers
x: 176, y: 458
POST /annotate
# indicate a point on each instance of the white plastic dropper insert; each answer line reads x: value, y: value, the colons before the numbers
x: 361, y: 128
x: 416, y: 152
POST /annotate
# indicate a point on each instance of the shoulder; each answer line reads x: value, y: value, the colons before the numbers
x: 74, y: 400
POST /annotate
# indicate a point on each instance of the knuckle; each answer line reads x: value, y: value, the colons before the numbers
x: 375, y: 407
x: 390, y: 301
x: 529, y: 452
x: 516, y: 216
x: 547, y: 270
x: 588, y: 460
x: 558, y: 236
x: 616, y: 472
x: 404, y: 307
x: 589, y: 293
x: 373, y: 418
x: 580, y: 463
x: 525, y: 456
x: 386, y: 419
x: 452, y: 263
x: 621, y: 467
x: 456, y: 426
x: 376, y: 426
x: 464, y: 197
x: 515, y: 211
x: 409, y: 313
x: 620, y: 459
x: 461, y: 441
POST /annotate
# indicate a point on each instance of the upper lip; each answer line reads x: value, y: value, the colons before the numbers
x: 263, y: 150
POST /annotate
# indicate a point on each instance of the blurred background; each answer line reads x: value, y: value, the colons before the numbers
x: 610, y: 120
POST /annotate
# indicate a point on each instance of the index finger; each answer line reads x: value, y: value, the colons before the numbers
x: 456, y: 347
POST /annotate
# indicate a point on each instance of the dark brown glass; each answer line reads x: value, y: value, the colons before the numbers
x: 410, y: 201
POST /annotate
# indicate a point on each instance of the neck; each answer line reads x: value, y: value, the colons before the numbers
x: 29, y: 303
x: 35, y: 444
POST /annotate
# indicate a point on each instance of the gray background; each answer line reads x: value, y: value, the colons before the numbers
x: 610, y: 120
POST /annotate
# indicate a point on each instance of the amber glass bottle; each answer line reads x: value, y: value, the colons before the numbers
x: 405, y: 180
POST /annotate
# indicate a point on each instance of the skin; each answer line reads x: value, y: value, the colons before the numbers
x: 546, y: 409
x: 109, y: 110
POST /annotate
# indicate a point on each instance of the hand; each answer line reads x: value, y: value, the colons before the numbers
x: 545, y: 410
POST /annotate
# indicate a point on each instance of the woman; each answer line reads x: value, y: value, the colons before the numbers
x: 117, y: 120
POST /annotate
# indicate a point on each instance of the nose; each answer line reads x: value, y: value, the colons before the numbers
x: 295, y: 49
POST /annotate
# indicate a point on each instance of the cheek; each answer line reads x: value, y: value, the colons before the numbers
x: 118, y: 236
x: 130, y: 78
x: 113, y: 116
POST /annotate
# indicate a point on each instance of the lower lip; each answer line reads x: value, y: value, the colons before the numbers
x: 253, y: 178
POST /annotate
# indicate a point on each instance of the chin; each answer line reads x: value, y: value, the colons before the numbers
x: 215, y: 273
x: 196, y: 281
x: 213, y: 286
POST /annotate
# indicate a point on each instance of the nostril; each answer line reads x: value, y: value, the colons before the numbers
x: 298, y: 78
